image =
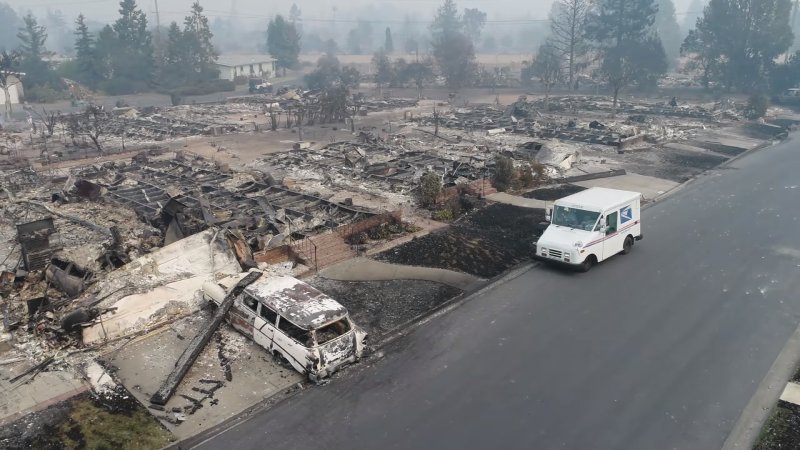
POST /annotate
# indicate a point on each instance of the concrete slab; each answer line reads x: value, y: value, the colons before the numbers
x: 650, y: 187
x: 34, y: 394
x: 365, y: 269
x: 508, y: 199
x: 144, y: 363
x: 161, y: 285
x: 791, y: 393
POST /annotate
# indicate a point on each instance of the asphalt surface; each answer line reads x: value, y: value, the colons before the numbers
x: 658, y: 349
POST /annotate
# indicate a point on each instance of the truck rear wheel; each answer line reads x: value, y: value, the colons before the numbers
x: 627, y: 245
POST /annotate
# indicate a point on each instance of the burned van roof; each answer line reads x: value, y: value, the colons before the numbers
x: 299, y: 302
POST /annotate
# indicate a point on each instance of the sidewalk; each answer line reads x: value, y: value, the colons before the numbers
x: 365, y: 269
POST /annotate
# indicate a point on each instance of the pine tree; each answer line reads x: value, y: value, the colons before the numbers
x: 452, y: 49
x: 283, y: 42
x: 86, y: 55
x: 132, y: 59
x: 200, y: 53
x: 388, y: 45
x: 32, y: 37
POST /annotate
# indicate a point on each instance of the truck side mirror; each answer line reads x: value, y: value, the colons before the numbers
x: 548, y: 214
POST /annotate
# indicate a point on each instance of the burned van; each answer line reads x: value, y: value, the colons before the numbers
x: 296, y: 322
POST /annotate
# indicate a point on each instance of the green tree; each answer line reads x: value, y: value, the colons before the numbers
x: 175, y: 57
x: 39, y: 77
x: 383, y: 69
x: 32, y: 37
x: 283, y: 42
x: 296, y: 18
x: 430, y: 187
x: 89, y: 67
x: 738, y: 41
x: 447, y: 20
x: 504, y: 173
x: 547, y: 66
x: 568, y: 35
x: 200, y: 54
x: 9, y: 22
x: 622, y: 31
x: 329, y: 73
x: 474, y: 21
x: 452, y: 49
x: 421, y: 73
x: 132, y: 49
x: 388, y: 43
x: 666, y: 25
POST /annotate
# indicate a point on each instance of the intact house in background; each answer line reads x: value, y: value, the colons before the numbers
x: 250, y: 66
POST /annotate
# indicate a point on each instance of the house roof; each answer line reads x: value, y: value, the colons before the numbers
x: 241, y: 60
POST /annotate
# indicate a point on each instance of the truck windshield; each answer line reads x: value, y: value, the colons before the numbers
x: 578, y: 219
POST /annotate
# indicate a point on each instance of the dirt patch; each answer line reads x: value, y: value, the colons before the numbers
x: 782, y: 429
x: 553, y: 193
x: 485, y: 242
x: 381, y: 306
x: 83, y: 422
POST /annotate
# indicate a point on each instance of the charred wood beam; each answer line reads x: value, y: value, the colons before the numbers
x: 199, y: 342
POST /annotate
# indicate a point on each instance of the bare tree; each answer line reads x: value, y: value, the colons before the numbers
x: 568, y: 28
x: 93, y: 123
x: 49, y: 120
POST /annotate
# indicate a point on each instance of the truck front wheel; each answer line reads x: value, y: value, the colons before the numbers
x: 588, y: 263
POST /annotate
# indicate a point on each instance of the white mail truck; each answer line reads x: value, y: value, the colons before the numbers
x: 590, y: 226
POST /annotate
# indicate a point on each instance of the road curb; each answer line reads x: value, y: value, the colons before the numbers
x: 758, y: 409
x: 466, y: 296
x: 398, y: 332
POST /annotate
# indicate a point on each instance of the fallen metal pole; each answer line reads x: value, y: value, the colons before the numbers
x: 199, y: 342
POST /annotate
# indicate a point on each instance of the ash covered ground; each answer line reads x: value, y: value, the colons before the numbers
x: 381, y: 306
x: 485, y: 242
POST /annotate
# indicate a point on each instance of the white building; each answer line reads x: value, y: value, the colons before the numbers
x: 255, y: 66
x: 15, y: 90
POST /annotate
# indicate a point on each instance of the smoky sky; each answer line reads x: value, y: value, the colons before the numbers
x: 254, y: 14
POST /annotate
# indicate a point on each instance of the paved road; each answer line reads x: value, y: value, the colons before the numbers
x: 658, y: 349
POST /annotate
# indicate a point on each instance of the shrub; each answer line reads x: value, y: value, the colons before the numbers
x: 44, y: 94
x: 430, y: 186
x: 756, y: 107
x: 443, y: 215
x: 503, y: 173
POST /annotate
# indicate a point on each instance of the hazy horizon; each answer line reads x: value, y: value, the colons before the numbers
x: 255, y: 14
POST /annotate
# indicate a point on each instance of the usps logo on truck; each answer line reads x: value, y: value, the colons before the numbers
x: 626, y: 214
